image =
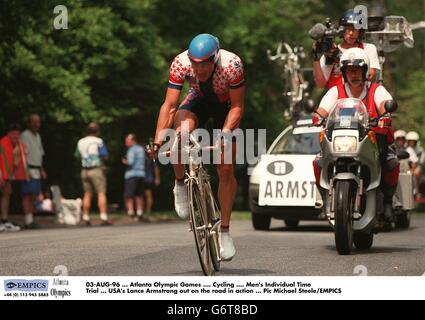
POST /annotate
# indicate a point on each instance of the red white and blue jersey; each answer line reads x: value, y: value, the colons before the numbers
x: 228, y: 74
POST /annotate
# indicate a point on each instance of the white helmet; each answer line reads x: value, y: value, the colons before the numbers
x: 400, y: 134
x: 412, y: 135
x: 355, y: 57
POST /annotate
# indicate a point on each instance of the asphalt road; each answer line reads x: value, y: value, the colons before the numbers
x: 167, y: 249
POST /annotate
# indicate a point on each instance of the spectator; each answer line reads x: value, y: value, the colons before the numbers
x: 412, y: 138
x: 12, y: 167
x: 93, y: 153
x: 134, y: 176
x: 152, y: 180
x: 400, y: 140
x: 31, y: 188
x: 416, y: 152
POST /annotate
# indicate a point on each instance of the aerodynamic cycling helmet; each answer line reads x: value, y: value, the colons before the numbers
x: 356, y: 57
x: 204, y: 47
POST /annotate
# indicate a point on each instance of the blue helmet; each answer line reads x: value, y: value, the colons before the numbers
x: 204, y: 47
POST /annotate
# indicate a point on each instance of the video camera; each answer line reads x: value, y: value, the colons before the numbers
x: 325, y: 35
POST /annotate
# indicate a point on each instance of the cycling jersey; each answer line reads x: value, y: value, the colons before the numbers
x: 228, y: 74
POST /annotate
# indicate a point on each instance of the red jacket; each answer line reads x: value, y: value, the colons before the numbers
x: 8, y: 170
x: 372, y: 108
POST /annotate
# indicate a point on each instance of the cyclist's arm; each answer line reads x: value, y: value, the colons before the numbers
x: 236, y: 109
x: 167, y: 113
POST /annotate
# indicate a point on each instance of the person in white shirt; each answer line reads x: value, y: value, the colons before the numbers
x: 355, y: 66
x: 416, y: 152
x: 31, y: 188
x: 92, y: 152
x: 326, y: 68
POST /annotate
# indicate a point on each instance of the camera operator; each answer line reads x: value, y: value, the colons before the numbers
x: 326, y: 55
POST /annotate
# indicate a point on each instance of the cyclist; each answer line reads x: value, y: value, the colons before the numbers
x: 354, y: 66
x: 326, y: 68
x: 216, y: 78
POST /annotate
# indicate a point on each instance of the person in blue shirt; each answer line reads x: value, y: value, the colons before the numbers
x: 134, y: 176
x: 152, y: 180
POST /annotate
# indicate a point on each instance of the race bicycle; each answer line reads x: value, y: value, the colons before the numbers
x: 205, y: 218
x: 295, y: 88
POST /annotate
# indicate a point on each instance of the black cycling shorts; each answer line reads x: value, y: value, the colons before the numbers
x: 204, y: 110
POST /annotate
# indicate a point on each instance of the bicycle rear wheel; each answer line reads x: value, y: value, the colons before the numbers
x: 199, y: 220
x: 214, y: 219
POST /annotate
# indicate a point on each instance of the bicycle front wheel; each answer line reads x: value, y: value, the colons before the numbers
x: 214, y: 219
x: 199, y: 220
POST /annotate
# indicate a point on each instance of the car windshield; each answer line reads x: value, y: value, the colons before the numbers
x: 348, y: 113
x: 298, y: 141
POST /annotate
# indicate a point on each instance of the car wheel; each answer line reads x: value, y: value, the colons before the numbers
x: 292, y: 223
x: 261, y: 221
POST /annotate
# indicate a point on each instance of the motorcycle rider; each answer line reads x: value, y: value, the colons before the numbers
x: 326, y: 68
x: 354, y: 64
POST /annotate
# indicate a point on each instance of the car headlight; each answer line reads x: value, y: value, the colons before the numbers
x: 345, y: 144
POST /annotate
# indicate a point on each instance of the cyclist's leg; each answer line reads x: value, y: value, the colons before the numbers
x: 226, y: 196
x: 227, y: 182
x: 183, y: 118
x: 226, y: 192
x: 187, y: 118
x: 227, y: 187
x: 191, y: 113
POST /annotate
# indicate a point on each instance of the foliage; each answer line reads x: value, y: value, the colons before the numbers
x: 111, y: 66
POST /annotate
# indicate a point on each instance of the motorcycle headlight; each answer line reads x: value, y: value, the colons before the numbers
x: 345, y: 144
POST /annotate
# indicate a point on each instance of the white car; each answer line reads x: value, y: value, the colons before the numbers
x: 282, y: 184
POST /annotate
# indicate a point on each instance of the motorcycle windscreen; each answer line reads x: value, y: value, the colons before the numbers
x: 348, y: 113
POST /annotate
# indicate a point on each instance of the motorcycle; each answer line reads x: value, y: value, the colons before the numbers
x: 351, y: 174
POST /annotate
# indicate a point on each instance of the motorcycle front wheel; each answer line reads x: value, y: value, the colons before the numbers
x: 344, y: 205
x: 363, y: 241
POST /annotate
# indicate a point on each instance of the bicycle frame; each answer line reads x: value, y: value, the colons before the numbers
x: 196, y: 174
